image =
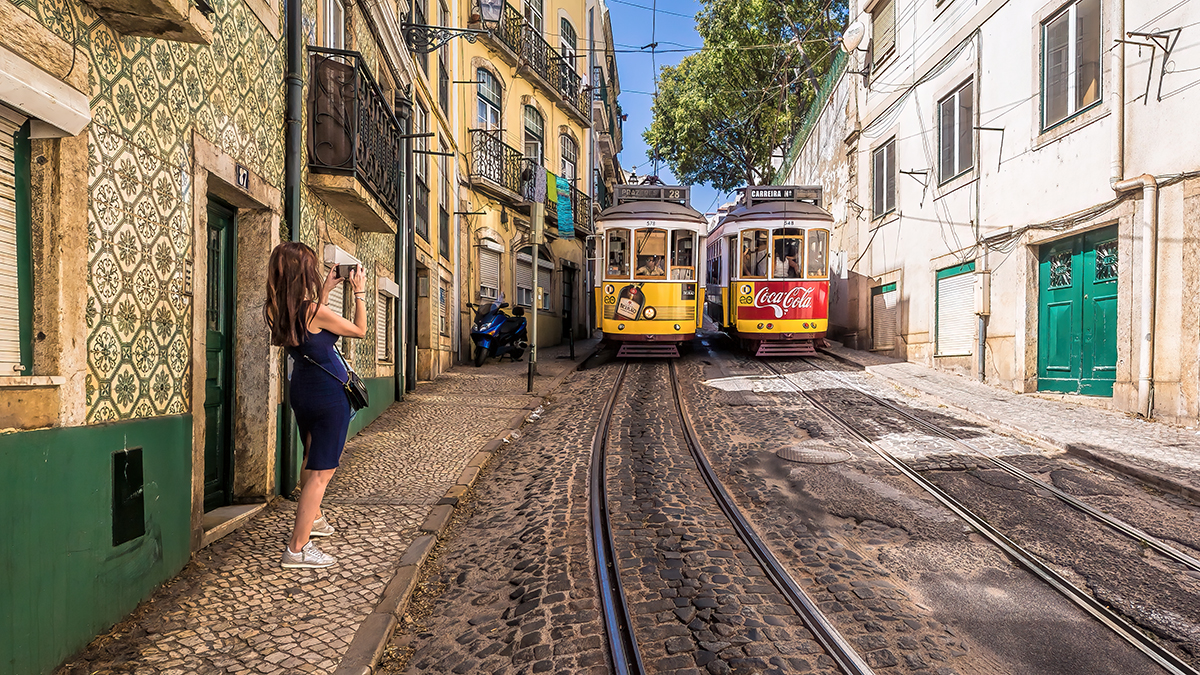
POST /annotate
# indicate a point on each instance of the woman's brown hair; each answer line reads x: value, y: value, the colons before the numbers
x: 293, y: 280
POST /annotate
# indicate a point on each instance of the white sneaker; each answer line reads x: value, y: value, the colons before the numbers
x: 310, y: 557
x: 322, y: 528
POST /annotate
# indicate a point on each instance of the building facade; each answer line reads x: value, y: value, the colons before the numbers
x: 1015, y: 194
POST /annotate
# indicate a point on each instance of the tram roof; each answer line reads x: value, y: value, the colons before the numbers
x: 653, y: 210
x: 744, y: 218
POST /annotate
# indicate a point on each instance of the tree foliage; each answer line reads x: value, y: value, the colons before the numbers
x: 723, y: 112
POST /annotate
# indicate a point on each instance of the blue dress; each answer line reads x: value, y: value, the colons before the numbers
x: 319, y: 401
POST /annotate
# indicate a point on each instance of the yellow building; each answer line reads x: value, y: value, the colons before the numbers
x: 526, y: 109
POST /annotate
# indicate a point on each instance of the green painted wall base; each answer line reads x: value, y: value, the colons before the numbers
x: 61, y: 579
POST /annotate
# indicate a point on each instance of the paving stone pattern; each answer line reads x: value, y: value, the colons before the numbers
x: 698, y: 599
x: 834, y: 557
x: 1171, y: 450
x: 512, y: 590
x: 233, y: 610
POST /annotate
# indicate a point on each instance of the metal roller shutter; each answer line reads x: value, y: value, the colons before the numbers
x: 489, y: 274
x: 956, y: 311
x: 884, y: 301
x: 337, y: 299
x: 383, y: 321
x: 10, y: 316
x: 524, y: 282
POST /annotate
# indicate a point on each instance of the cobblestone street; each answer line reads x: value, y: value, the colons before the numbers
x: 233, y: 610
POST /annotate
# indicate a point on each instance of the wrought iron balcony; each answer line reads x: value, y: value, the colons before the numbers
x: 525, y: 47
x: 581, y: 209
x: 499, y: 166
x: 353, y: 132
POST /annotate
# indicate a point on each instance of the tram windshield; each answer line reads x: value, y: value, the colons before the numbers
x: 755, y: 254
x: 683, y: 255
x: 818, y: 253
x: 618, y: 254
x: 650, y: 245
x: 789, y: 244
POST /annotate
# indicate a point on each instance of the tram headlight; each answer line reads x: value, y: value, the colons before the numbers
x: 620, y: 326
x: 676, y: 326
x: 760, y: 326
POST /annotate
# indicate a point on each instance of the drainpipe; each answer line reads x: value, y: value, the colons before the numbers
x: 410, y: 310
x: 292, y: 156
x: 1149, y: 188
x: 400, y: 317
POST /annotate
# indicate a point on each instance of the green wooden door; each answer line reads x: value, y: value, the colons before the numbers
x: 1077, y: 314
x: 218, y: 383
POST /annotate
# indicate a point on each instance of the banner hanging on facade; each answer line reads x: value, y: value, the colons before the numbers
x: 566, y: 219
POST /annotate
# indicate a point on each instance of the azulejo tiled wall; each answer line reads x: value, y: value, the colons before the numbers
x: 147, y: 97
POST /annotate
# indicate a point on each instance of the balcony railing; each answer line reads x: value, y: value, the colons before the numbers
x: 581, y: 209
x: 500, y: 163
x: 529, y: 46
x: 352, y: 130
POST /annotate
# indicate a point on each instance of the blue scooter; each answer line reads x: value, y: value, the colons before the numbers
x: 496, y: 333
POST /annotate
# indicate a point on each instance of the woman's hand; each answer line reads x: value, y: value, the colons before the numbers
x: 358, y: 279
x: 331, y: 282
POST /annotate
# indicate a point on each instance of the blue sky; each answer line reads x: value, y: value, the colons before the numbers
x: 674, y: 29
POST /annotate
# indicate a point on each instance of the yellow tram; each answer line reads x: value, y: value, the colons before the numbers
x: 649, y: 297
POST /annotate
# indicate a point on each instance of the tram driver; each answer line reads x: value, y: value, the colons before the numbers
x: 786, y: 266
x: 651, y: 266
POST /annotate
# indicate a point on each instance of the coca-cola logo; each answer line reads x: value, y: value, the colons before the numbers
x: 780, y: 301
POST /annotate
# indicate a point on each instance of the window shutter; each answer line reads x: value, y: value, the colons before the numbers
x: 883, y: 30
x: 383, y: 321
x: 524, y: 282
x: 890, y: 175
x: 946, y: 137
x: 966, y: 127
x: 489, y: 274
x: 445, y: 329
x: 10, y: 315
x: 337, y: 299
x: 955, y: 314
x: 883, y: 318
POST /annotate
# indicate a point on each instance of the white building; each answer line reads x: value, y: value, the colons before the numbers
x: 1050, y: 146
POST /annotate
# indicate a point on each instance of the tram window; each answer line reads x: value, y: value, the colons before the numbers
x: 789, y: 245
x: 755, y: 254
x: 618, y: 254
x: 650, y: 246
x: 818, y: 253
x: 683, y: 255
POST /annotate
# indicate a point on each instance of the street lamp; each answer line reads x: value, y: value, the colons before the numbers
x: 424, y: 38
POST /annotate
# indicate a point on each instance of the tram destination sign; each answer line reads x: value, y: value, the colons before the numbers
x: 757, y: 194
x: 653, y: 193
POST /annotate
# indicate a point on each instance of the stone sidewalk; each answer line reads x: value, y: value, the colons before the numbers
x: 234, y: 610
x: 1162, y: 455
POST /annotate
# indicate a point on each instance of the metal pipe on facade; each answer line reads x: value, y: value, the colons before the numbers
x: 292, y: 156
x: 1117, y: 54
x: 410, y: 246
x: 399, y: 362
x: 1149, y: 187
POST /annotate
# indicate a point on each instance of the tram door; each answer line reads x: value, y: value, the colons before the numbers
x: 1077, y: 314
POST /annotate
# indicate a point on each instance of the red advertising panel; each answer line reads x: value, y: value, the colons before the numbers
x: 782, y: 300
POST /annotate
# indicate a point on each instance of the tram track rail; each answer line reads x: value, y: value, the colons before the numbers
x: 1080, y: 597
x: 623, y: 647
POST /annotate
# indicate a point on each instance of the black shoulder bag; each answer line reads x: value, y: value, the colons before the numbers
x: 356, y: 391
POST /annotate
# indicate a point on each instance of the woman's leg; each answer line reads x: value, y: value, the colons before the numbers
x: 305, y: 472
x: 309, y: 506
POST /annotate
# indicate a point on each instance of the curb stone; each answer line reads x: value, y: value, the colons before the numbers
x: 371, y: 638
x: 1152, y: 477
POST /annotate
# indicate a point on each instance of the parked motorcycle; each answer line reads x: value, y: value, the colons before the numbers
x: 496, y: 333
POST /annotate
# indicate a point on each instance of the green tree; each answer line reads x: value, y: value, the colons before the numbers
x: 723, y: 112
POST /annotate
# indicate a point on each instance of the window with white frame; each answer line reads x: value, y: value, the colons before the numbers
x: 534, y: 12
x: 1071, y: 47
x: 524, y: 280
x: 568, y: 152
x: 384, y: 326
x: 535, y: 134
x: 567, y: 40
x: 333, y: 24
x: 488, y: 94
x: 956, y: 132
x: 489, y: 274
x: 443, y: 319
x: 421, y: 160
x: 883, y: 32
x: 883, y: 179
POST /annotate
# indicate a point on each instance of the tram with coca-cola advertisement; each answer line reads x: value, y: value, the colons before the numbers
x: 768, y: 270
x: 649, y: 259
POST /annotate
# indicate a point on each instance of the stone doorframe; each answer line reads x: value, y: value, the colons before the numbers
x: 255, y: 363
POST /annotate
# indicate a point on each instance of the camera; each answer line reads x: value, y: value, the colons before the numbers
x: 344, y: 271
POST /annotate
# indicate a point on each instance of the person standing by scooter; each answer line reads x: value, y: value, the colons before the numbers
x: 298, y: 319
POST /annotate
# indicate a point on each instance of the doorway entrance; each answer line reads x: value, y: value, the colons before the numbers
x: 218, y: 345
x: 1077, y: 314
x: 568, y: 301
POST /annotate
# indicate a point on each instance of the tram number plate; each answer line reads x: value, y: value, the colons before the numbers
x: 688, y: 291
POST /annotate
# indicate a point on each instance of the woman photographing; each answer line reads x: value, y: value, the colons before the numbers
x: 300, y: 321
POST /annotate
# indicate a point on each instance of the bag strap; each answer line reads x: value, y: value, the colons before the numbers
x: 339, y: 380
